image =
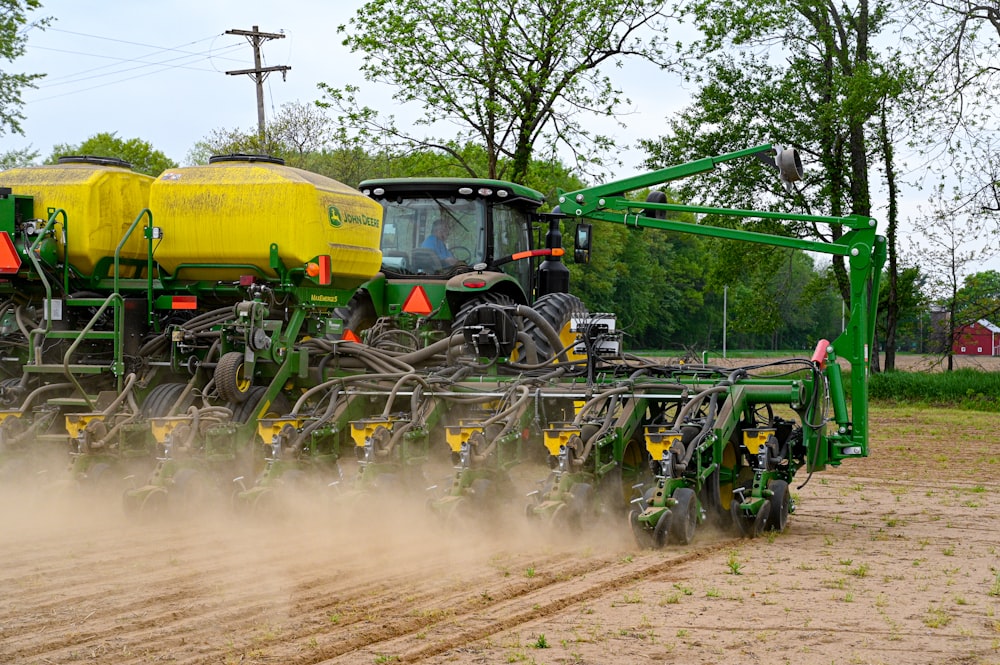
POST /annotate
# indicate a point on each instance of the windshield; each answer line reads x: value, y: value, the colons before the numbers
x: 431, y: 236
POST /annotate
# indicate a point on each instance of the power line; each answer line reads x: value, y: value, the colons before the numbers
x: 79, y: 76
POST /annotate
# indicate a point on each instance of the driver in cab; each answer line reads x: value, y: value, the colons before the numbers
x: 437, y: 242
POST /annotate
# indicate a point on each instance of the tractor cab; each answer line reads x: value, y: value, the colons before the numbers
x: 436, y: 228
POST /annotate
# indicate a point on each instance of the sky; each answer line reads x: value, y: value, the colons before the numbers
x: 156, y: 71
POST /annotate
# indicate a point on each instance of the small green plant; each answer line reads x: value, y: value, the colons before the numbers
x: 687, y: 591
x: 861, y: 570
x: 937, y: 618
x: 385, y: 658
x: 735, y: 567
x: 995, y: 589
x: 334, y: 618
x: 949, y: 551
x: 541, y: 642
x: 712, y: 592
x: 529, y: 572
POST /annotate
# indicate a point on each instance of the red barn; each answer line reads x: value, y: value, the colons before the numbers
x: 982, y: 338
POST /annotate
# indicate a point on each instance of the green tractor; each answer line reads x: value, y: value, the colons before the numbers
x: 450, y: 245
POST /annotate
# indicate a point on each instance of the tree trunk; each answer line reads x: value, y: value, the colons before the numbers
x: 892, y: 301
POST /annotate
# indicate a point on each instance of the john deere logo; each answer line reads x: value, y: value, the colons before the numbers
x: 335, y: 219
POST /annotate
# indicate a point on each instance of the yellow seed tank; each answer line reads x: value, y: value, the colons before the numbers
x: 220, y: 220
x: 101, y: 198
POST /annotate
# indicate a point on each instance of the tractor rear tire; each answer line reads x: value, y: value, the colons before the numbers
x: 558, y: 310
x: 159, y: 400
x: 488, y: 298
x: 358, y: 315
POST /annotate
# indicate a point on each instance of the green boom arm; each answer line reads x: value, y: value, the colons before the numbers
x: 865, y: 251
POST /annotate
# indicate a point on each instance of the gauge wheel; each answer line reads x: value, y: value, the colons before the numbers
x: 643, y: 536
x: 780, y: 503
x: 661, y: 532
x: 685, y: 515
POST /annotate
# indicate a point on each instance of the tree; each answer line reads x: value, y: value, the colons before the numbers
x: 828, y: 93
x: 512, y: 75
x: 140, y: 154
x: 950, y: 241
x: 13, y: 159
x: 14, y: 14
x: 979, y: 297
x: 296, y: 131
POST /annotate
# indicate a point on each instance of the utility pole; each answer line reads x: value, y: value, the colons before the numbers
x: 258, y: 73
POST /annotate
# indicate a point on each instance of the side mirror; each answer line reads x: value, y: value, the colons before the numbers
x: 581, y: 244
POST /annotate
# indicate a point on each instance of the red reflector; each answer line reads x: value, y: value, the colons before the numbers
x: 184, y: 302
x: 246, y: 280
x: 349, y: 336
x: 474, y: 283
x: 324, y: 269
x: 9, y: 259
x: 417, y: 302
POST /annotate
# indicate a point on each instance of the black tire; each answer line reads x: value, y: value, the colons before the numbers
x: 558, y: 310
x: 581, y: 501
x: 242, y: 411
x: 661, y: 533
x: 98, y: 474
x: 230, y: 380
x: 488, y: 298
x: 358, y: 315
x: 760, y: 521
x: 643, y: 536
x: 685, y: 515
x: 159, y: 400
x: 189, y: 492
x: 483, y: 493
x: 780, y: 501
x: 742, y: 522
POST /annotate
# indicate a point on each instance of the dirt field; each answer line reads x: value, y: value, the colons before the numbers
x: 891, y: 560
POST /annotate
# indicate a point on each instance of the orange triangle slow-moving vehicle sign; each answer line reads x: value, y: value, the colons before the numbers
x: 10, y: 261
x: 349, y: 336
x: 418, y: 302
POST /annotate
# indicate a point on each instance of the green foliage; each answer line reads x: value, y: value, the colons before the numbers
x: 514, y: 76
x: 979, y: 297
x: 13, y: 39
x: 13, y: 159
x: 140, y: 154
x: 964, y: 388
